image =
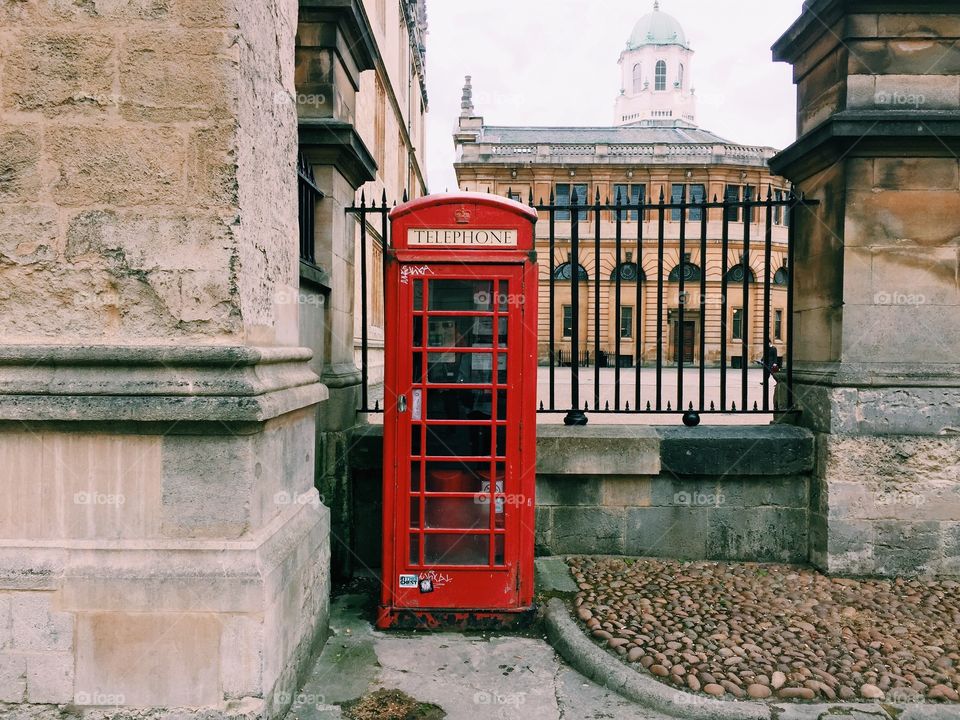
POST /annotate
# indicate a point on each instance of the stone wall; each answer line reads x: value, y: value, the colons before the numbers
x: 715, y: 493
x: 877, y: 290
x: 163, y: 550
x: 134, y: 120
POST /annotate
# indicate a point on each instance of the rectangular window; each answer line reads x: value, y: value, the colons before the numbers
x: 778, y: 325
x: 626, y: 322
x: 567, y: 321
x: 629, y: 195
x: 777, y: 209
x: 563, y: 198
x: 698, y: 194
x: 677, y: 194
x: 516, y: 197
x: 732, y: 196
x: 738, y: 324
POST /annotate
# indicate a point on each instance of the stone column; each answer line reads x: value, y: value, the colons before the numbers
x: 877, y: 273
x: 162, y: 545
x: 334, y: 45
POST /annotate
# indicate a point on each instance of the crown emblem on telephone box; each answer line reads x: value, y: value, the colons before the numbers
x: 463, y: 216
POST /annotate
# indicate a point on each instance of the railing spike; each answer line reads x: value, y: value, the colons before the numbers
x: 376, y: 406
x: 714, y: 197
x: 712, y: 407
x: 598, y: 195
x: 606, y: 407
x: 616, y: 200
x: 541, y: 406
x: 586, y: 406
x: 769, y: 192
x: 733, y: 406
x: 662, y: 196
x: 628, y: 406
x: 510, y: 191
x: 488, y: 190
x: 363, y: 199
x: 405, y: 196
x: 669, y: 409
x: 691, y: 406
x: 755, y: 408
x: 551, y: 196
x: 530, y: 196
x: 383, y: 198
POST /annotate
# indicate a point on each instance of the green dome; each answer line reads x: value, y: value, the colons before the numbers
x: 657, y: 28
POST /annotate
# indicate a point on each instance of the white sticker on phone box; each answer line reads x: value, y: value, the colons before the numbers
x: 408, y: 581
x: 417, y: 412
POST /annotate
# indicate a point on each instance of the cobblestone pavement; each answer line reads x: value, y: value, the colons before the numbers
x: 771, y: 631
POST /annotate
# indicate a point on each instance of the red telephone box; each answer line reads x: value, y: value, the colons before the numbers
x: 460, y: 413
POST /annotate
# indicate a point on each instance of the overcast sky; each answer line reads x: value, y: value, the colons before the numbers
x: 554, y: 62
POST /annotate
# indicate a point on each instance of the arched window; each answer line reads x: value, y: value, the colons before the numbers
x: 690, y: 272
x: 628, y: 271
x: 735, y: 274
x: 661, y: 76
x: 781, y: 276
x: 680, y: 77
x: 637, y: 78
x: 565, y: 272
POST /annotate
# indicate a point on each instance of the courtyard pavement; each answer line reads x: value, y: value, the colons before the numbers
x: 471, y: 676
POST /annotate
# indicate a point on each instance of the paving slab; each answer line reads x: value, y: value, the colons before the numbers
x: 553, y: 576
x: 471, y: 676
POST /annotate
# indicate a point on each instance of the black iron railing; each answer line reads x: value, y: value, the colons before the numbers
x: 308, y: 195
x: 690, y: 344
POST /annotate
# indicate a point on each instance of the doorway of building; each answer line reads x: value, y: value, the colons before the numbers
x: 689, y: 341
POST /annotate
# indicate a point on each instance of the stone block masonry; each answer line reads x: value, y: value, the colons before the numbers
x: 163, y: 549
x: 877, y: 297
x: 708, y: 493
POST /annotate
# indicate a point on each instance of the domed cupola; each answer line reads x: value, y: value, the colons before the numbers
x: 656, y: 77
x: 657, y: 28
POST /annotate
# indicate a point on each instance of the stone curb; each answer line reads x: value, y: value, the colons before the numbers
x: 596, y: 664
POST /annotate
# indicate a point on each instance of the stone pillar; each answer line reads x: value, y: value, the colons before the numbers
x: 877, y: 273
x: 334, y: 45
x: 162, y: 545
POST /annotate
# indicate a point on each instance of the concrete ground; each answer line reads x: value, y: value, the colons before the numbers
x: 471, y: 676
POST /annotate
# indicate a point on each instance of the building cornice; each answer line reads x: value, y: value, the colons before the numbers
x: 632, y: 154
x: 821, y: 16
x: 858, y: 134
x: 337, y: 143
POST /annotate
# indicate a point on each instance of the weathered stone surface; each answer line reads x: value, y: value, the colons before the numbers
x: 37, y: 627
x: 50, y: 677
x: 568, y: 490
x: 172, y: 76
x: 150, y: 659
x: 586, y: 450
x: 591, y: 530
x: 13, y: 677
x: 28, y: 236
x: 59, y: 72
x: 94, y: 168
x: 19, y: 167
x: 775, y: 450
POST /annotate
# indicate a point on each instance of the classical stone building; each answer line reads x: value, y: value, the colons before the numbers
x: 362, y: 100
x: 878, y: 279
x: 176, y: 379
x: 653, y: 147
